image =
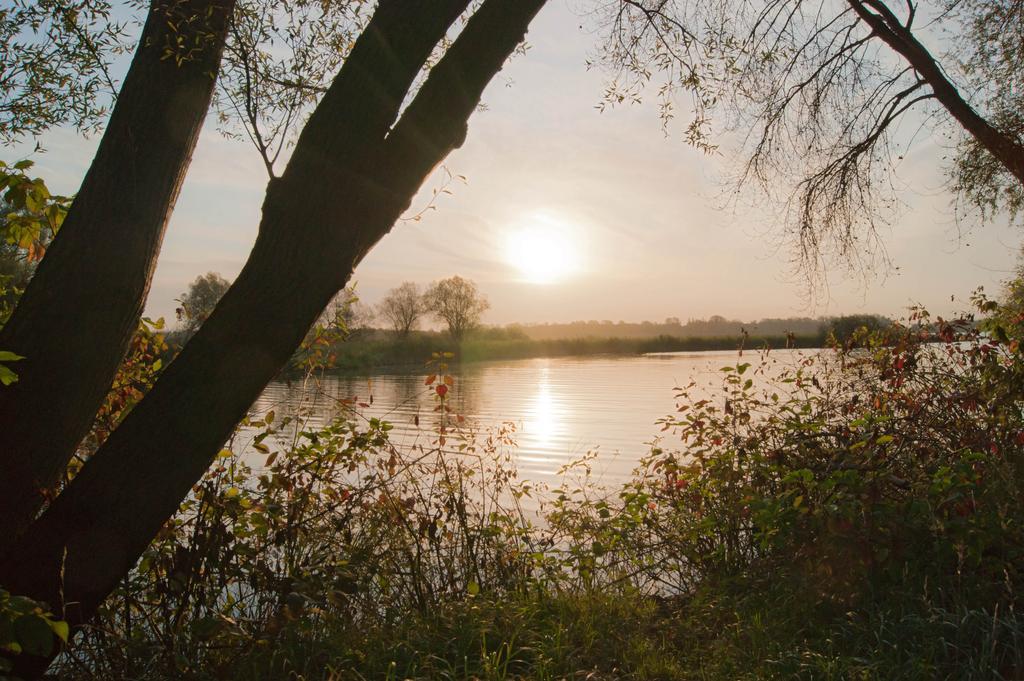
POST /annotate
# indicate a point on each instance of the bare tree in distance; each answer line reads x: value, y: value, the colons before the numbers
x: 458, y: 303
x: 402, y: 308
x: 824, y: 97
x: 346, y: 312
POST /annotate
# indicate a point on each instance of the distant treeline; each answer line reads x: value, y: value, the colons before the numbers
x: 375, y: 350
x: 713, y: 327
x: 370, y: 348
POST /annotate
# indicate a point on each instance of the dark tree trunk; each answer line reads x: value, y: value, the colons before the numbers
x: 79, y: 312
x: 352, y: 174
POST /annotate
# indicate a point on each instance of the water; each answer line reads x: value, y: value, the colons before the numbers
x: 561, y: 408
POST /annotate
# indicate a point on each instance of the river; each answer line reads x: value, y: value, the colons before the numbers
x: 561, y: 408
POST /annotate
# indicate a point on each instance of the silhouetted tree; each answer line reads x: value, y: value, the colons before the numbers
x: 456, y: 302
x: 360, y: 159
x: 198, y: 302
x: 402, y: 308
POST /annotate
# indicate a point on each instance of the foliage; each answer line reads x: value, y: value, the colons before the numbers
x: 871, y: 494
x: 849, y: 327
x: 31, y: 214
x: 30, y: 218
x: 858, y: 515
x: 821, y: 101
x: 53, y: 64
x: 332, y: 531
x: 7, y: 376
x: 136, y: 374
x: 402, y: 308
x: 27, y: 626
x: 994, y: 68
x: 346, y: 312
x: 1006, y: 318
x: 279, y: 60
x: 343, y: 318
x: 196, y: 304
x: 456, y: 302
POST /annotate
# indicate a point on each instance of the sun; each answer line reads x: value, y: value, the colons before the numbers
x: 542, y: 251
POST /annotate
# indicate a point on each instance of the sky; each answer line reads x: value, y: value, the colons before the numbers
x: 571, y: 213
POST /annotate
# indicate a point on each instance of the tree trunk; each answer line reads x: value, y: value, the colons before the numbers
x: 350, y: 177
x: 79, y: 312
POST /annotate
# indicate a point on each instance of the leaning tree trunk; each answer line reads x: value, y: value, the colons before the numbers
x: 353, y: 172
x: 79, y: 312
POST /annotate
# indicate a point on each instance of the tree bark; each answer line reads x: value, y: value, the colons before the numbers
x: 352, y: 174
x: 77, y: 315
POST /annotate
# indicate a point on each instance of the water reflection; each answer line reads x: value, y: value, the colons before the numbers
x: 544, y: 425
x: 562, y: 408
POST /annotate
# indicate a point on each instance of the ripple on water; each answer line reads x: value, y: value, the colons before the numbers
x: 562, y: 408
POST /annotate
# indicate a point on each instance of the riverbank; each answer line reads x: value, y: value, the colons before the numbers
x: 362, y: 354
x: 863, y: 524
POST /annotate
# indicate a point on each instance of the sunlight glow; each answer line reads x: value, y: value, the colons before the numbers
x: 542, y: 422
x: 543, y: 250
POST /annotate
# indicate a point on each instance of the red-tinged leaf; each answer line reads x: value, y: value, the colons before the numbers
x: 449, y: 380
x: 430, y: 379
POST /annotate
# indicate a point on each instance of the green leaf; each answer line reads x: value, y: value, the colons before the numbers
x: 61, y: 630
x: 7, y: 376
x: 473, y: 588
x: 7, y: 356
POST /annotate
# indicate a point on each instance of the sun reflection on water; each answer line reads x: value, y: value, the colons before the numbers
x: 544, y: 423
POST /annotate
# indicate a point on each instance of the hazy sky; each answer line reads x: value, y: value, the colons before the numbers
x: 625, y: 215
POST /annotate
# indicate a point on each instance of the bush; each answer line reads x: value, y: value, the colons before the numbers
x: 859, y: 519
